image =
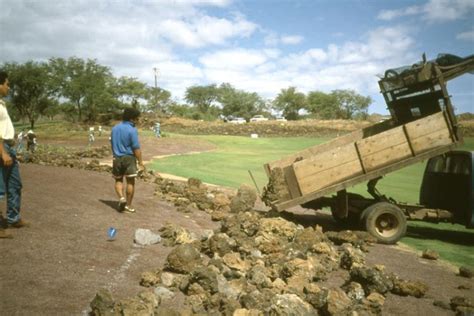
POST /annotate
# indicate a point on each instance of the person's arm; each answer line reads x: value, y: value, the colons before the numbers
x: 138, y: 154
x: 6, y: 159
x: 5, y: 156
x: 136, y: 149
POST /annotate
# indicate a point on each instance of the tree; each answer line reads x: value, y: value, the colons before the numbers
x: 323, y: 105
x: 339, y: 104
x: 30, y: 89
x: 202, y: 97
x: 158, y: 99
x: 238, y: 102
x: 85, y: 83
x: 181, y: 110
x: 129, y: 90
x: 290, y: 102
x: 351, y: 104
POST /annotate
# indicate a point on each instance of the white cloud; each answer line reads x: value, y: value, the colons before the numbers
x: 176, y: 76
x: 205, y: 30
x: 466, y: 36
x: 218, y: 3
x: 447, y: 10
x: 303, y: 60
x: 350, y: 65
x: 126, y: 36
x: 236, y: 59
x: 291, y: 39
x: 384, y: 43
x: 272, y: 39
x: 389, y: 15
x: 433, y: 11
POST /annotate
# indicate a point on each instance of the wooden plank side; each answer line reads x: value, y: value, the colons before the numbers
x: 341, y: 185
x: 426, y: 125
x: 326, y: 160
x: 429, y: 132
x: 433, y: 140
x: 384, y: 148
x: 382, y: 141
x: 326, y: 168
x: 291, y: 182
x: 317, y: 149
x: 386, y: 156
x: 329, y: 176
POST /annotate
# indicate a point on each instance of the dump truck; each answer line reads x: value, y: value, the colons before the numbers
x: 422, y: 126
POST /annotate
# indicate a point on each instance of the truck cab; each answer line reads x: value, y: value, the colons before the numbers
x: 448, y: 184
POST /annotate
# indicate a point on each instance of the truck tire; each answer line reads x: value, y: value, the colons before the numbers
x: 385, y: 221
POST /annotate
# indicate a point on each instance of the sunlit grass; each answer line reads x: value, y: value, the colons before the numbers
x: 229, y: 164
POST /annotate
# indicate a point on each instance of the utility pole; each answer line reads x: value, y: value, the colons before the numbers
x: 156, y: 72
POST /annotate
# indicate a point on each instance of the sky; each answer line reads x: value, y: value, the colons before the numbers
x: 260, y: 46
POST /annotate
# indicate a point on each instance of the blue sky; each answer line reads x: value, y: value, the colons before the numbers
x: 258, y: 46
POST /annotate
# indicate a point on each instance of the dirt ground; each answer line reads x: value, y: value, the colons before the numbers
x: 56, y: 266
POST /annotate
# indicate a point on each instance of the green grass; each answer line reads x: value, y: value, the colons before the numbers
x: 228, y: 165
x: 453, y: 242
x: 55, y: 129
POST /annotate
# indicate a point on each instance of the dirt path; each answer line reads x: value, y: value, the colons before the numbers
x: 56, y: 266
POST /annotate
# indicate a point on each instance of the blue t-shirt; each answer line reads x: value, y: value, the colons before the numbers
x: 124, y: 139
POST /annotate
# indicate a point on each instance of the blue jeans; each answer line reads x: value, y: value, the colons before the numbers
x: 10, y: 185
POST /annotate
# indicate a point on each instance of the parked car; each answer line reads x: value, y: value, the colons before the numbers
x: 280, y: 119
x: 258, y: 118
x: 237, y: 120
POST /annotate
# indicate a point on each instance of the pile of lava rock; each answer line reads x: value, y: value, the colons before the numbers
x: 257, y: 263
x: 87, y: 159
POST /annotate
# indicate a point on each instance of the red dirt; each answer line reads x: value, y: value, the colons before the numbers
x: 57, y: 265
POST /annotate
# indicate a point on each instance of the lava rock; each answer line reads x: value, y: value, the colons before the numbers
x: 183, y: 259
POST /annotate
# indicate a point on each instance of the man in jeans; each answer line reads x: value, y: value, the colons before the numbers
x: 126, y: 152
x: 10, y: 181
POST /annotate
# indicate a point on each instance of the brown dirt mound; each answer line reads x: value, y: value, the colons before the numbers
x: 316, y: 128
x: 268, y: 128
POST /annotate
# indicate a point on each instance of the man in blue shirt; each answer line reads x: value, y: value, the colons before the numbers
x: 126, y: 151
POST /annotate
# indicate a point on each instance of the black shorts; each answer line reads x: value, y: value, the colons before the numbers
x: 124, y: 166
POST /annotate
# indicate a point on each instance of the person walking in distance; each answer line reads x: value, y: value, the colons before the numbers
x: 31, y: 141
x: 21, y: 136
x: 91, y: 136
x: 10, y: 181
x: 126, y: 153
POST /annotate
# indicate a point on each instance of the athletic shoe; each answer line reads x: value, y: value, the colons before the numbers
x: 121, y: 204
x: 21, y: 223
x: 128, y: 209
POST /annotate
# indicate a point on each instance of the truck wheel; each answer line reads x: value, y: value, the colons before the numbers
x: 384, y: 221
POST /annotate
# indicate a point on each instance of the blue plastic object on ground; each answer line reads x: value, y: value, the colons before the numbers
x: 112, y: 232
